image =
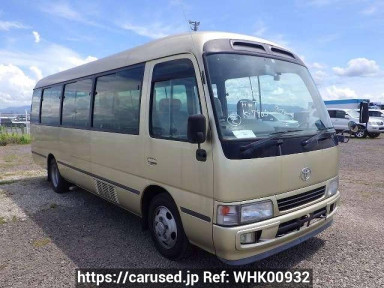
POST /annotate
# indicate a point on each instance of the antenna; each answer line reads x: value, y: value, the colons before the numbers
x: 194, y: 25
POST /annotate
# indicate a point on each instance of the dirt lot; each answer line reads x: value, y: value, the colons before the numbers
x: 45, y: 236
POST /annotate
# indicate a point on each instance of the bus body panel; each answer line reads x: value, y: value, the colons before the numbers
x: 119, y: 158
x: 247, y: 179
x: 75, y: 150
x: 38, y: 153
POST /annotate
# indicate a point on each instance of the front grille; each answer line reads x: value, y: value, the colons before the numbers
x: 300, y: 199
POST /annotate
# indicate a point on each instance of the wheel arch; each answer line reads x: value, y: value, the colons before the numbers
x: 148, y: 194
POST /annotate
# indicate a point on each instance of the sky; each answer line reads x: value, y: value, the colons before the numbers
x: 341, y: 41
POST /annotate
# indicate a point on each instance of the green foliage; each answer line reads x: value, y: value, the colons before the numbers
x: 13, y: 138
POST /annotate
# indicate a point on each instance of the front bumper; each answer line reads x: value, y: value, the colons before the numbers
x: 375, y: 129
x: 231, y: 251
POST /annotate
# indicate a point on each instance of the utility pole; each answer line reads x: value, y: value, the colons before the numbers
x: 194, y: 25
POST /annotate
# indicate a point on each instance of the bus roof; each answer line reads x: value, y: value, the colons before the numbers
x: 192, y: 42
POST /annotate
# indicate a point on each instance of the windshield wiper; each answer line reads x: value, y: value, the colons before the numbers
x: 321, y: 135
x: 273, y: 139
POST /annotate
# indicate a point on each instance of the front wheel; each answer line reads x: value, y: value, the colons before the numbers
x: 362, y: 133
x: 373, y: 135
x: 166, y: 228
x: 59, y: 184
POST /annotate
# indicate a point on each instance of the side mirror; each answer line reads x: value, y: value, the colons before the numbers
x: 196, y: 129
x: 197, y: 132
x: 364, y: 112
x: 347, y: 117
x: 353, y: 127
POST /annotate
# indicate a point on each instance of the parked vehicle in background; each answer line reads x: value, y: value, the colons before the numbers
x: 22, y: 118
x: 341, y: 117
x: 376, y: 113
x: 375, y: 106
x: 276, y: 119
x: 20, y: 121
x: 5, y: 121
x: 145, y: 130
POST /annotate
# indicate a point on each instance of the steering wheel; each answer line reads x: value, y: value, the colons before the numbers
x: 234, y: 119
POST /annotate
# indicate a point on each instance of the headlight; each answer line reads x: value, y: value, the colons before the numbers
x: 229, y: 215
x: 256, y: 212
x: 333, y: 186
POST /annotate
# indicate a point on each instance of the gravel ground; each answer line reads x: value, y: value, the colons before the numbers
x: 45, y: 236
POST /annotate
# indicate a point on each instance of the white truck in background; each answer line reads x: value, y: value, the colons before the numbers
x: 340, y: 118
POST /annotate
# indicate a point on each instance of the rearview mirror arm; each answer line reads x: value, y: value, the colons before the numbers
x: 201, y: 154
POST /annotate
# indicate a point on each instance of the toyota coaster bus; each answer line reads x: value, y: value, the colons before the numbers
x: 179, y: 132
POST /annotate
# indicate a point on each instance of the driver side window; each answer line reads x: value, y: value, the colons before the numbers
x: 174, y: 98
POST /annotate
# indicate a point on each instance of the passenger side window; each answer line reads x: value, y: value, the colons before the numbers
x: 117, y: 101
x: 35, y: 109
x: 76, y: 104
x: 174, y: 97
x: 340, y: 114
x: 332, y: 113
x: 50, y: 106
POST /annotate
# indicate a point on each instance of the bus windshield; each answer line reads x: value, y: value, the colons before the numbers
x: 256, y: 96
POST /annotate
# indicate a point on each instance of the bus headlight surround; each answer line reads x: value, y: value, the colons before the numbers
x: 333, y: 186
x: 230, y: 215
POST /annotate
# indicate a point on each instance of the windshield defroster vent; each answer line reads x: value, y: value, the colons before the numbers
x: 250, y: 46
x: 282, y: 52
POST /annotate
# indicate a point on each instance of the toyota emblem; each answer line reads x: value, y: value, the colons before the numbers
x: 305, y: 174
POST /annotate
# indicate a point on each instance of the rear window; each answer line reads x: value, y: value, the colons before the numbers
x: 35, y: 109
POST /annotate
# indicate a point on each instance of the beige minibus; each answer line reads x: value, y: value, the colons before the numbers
x: 214, y: 139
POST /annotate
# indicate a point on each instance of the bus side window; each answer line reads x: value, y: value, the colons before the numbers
x: 76, y: 103
x: 117, y: 101
x: 35, y: 109
x: 50, y: 106
x: 174, y: 97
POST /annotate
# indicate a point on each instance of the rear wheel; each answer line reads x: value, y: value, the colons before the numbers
x: 166, y: 228
x: 59, y: 184
x: 362, y: 133
x: 373, y: 135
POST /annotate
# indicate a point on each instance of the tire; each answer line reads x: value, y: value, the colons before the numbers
x: 166, y: 229
x: 373, y: 135
x: 59, y: 184
x: 362, y: 133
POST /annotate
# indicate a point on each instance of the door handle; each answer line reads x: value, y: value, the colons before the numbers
x: 151, y: 161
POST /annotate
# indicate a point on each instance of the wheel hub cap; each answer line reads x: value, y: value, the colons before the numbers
x: 165, y: 227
